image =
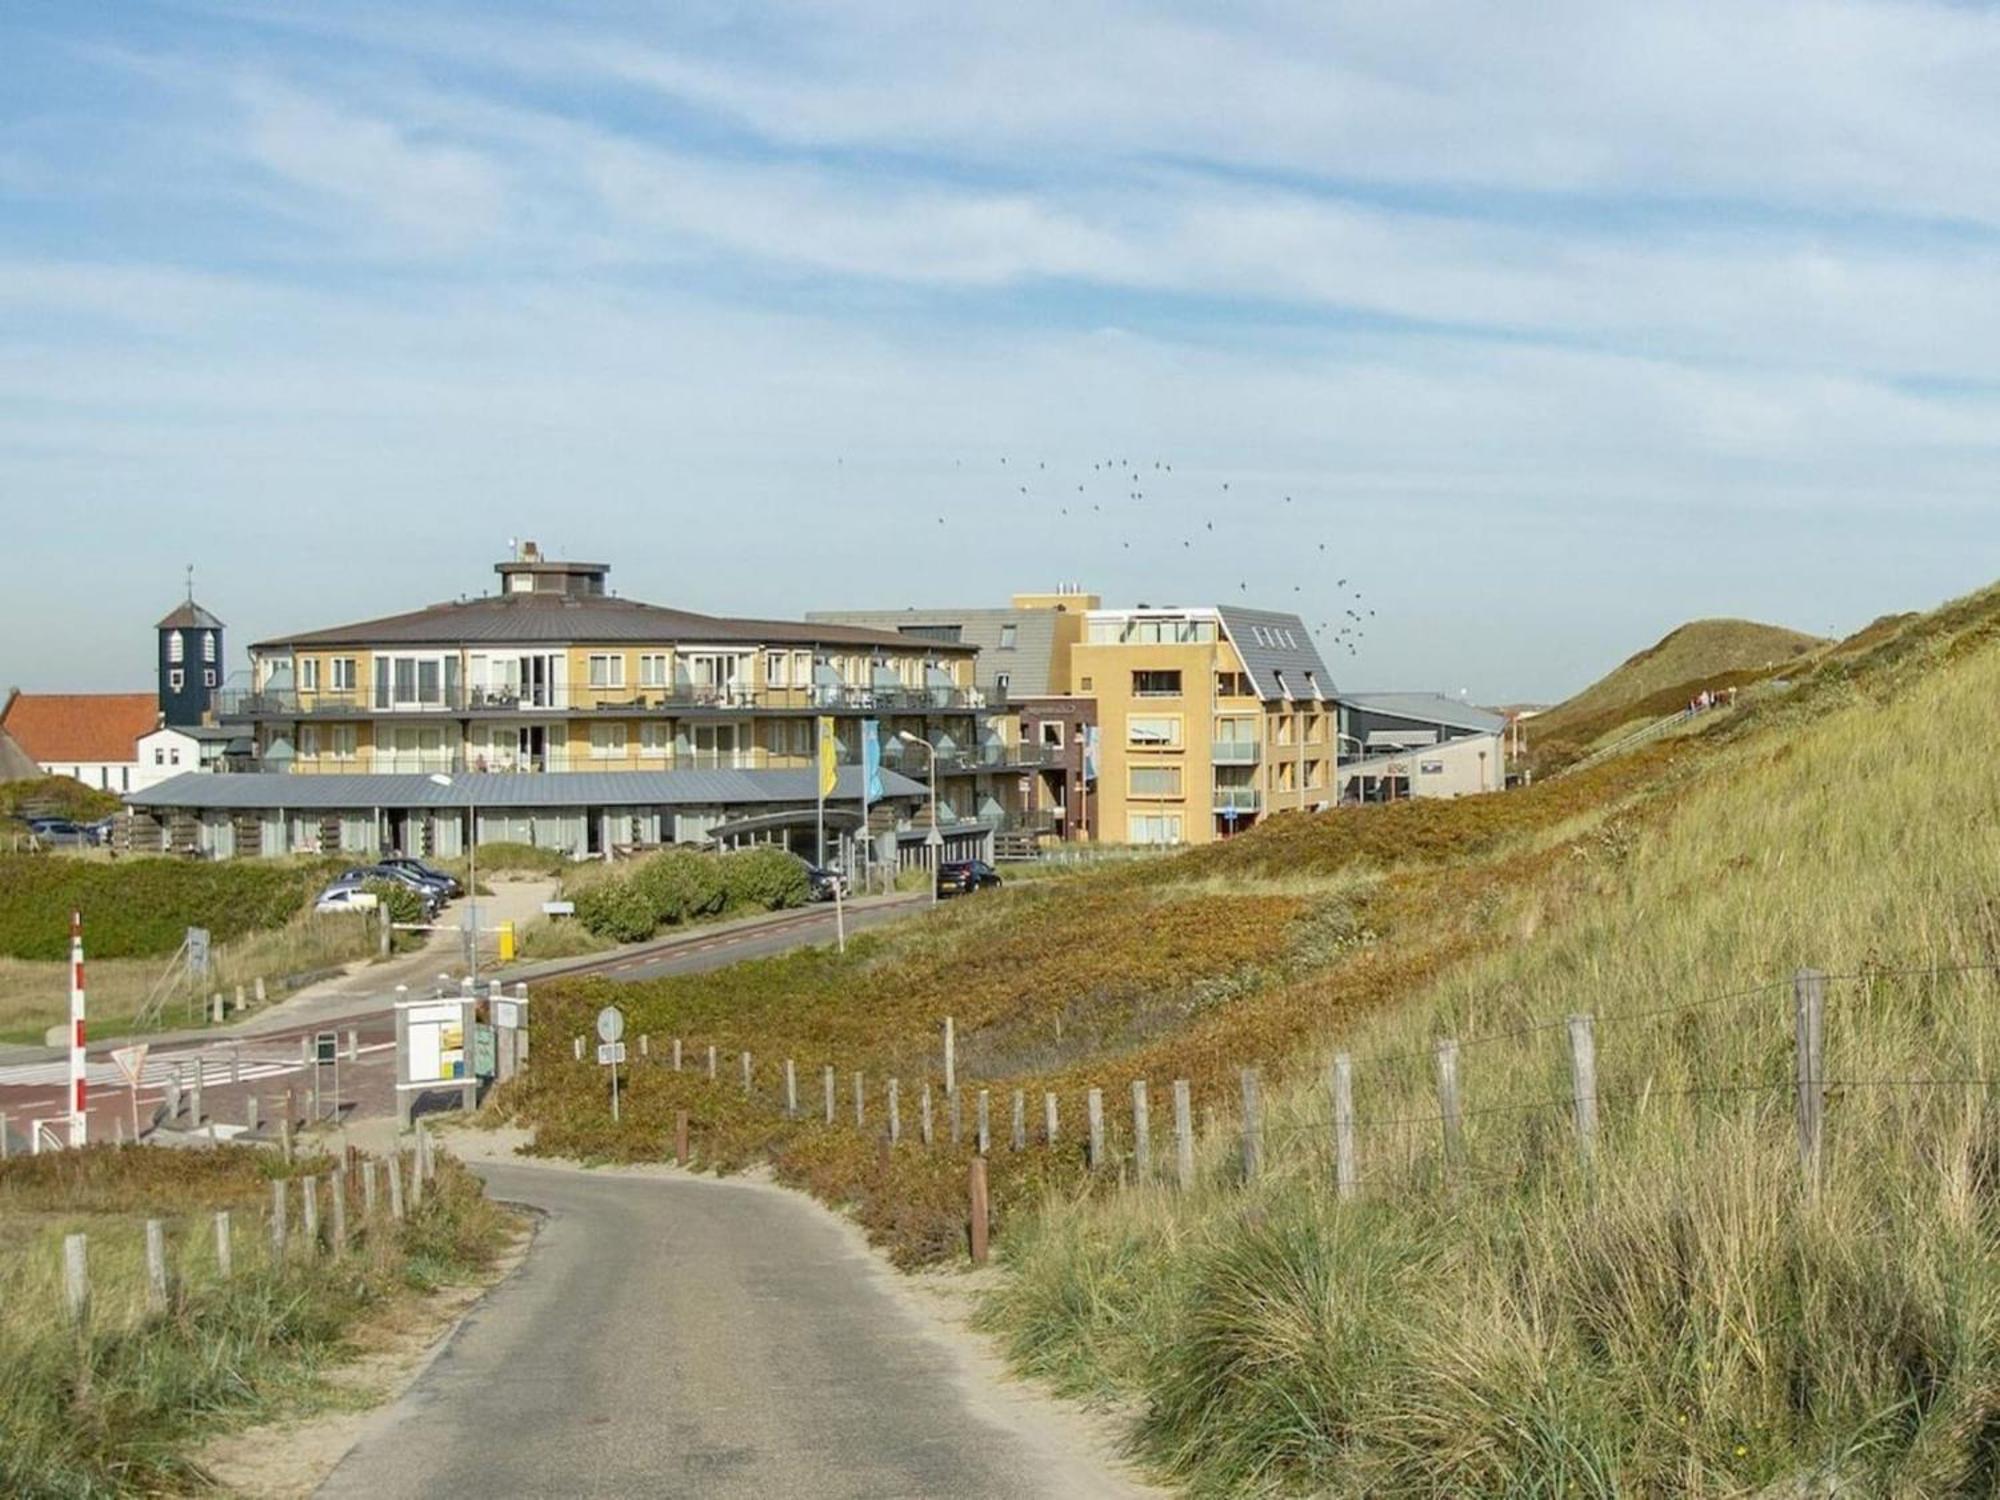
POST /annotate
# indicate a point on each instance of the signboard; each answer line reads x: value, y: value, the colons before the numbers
x: 326, y: 1047
x: 197, y: 952
x: 437, y: 1043
x: 485, y: 1051
x: 1430, y: 768
x: 610, y: 1024
x: 131, y: 1060
x: 507, y: 1013
x: 558, y: 908
x: 609, y: 1053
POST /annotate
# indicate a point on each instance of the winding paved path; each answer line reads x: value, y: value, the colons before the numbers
x: 679, y: 1336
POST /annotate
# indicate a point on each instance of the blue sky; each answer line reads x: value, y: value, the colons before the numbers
x: 1558, y: 325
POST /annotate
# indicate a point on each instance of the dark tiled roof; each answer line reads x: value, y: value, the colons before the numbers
x: 1259, y: 636
x: 560, y: 619
x: 189, y: 616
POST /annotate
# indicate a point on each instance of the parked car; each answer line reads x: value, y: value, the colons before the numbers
x: 430, y: 892
x: 61, y: 831
x: 431, y: 873
x: 825, y: 883
x: 100, y: 831
x: 345, y: 898
x: 961, y: 877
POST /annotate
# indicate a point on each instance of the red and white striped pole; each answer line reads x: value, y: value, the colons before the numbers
x: 79, y: 1085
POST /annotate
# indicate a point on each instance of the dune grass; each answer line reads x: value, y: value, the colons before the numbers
x: 118, y: 1407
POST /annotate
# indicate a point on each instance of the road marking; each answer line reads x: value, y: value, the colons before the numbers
x: 215, y: 1068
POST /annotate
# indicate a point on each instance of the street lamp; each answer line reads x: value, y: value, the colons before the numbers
x: 472, y: 875
x: 936, y: 842
x: 1360, y: 754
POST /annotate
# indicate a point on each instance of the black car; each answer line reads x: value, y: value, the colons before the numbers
x: 429, y: 874
x: 824, y: 883
x: 961, y: 877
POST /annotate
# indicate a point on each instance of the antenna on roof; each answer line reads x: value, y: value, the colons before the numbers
x: 190, y: 583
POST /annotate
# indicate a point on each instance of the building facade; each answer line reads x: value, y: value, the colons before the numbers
x: 93, y: 738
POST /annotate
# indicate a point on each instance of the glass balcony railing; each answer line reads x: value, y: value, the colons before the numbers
x: 295, y: 703
x: 1237, y: 799
x: 1235, y: 753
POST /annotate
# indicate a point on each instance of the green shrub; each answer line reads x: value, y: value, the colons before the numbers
x: 680, y: 885
x: 767, y: 879
x: 57, y: 797
x: 404, y: 904
x: 616, y: 910
x: 142, y: 908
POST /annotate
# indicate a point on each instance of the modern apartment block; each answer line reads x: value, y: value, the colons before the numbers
x: 598, y: 720
x: 1209, y: 720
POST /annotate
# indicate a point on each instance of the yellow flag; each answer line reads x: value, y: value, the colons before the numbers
x: 829, y: 747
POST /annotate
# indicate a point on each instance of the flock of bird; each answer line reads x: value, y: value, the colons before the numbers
x: 1135, y: 497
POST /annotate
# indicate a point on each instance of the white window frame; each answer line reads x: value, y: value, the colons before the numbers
x: 308, y: 674
x: 1149, y: 769
x: 175, y: 679
x: 777, y: 669
x: 208, y: 645
x: 1009, y: 636
x: 309, y: 741
x: 606, y: 669
x: 1141, y: 827
x: 342, y: 674
x: 608, y: 740
x: 176, y: 647
x: 656, y: 739
x: 208, y: 677
x: 1171, y: 741
x: 656, y: 669
x: 1051, y: 741
x: 343, y: 742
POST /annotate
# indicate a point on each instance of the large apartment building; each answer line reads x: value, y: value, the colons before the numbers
x: 598, y: 719
x: 1209, y: 720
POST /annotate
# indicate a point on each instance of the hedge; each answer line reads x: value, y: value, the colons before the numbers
x: 142, y: 908
x: 682, y: 885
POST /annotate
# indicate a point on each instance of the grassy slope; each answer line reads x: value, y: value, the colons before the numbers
x: 117, y: 1411
x: 1684, y: 1320
x: 1696, y: 649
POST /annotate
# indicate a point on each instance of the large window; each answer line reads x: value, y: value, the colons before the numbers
x: 1153, y: 828
x: 1156, y: 684
x: 607, y: 670
x: 341, y: 741
x: 414, y: 681
x: 1153, y: 731
x: 777, y: 669
x: 653, y: 671
x: 1156, y: 781
x: 607, y: 741
x: 343, y: 674
x: 1234, y: 685
x: 308, y: 674
x: 656, y: 738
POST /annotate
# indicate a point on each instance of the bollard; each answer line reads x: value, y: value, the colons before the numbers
x: 677, y: 1054
x: 982, y: 1127
x: 746, y: 1072
x: 680, y: 1137
x: 826, y: 1078
x: 259, y: 992
x: 353, y: 1045
x: 895, y: 1113
x: 711, y: 1062
x: 1048, y: 1119
x: 1183, y: 1134
x: 1093, y: 1105
x: 1142, y: 1134
x: 235, y: 1064
x: 924, y: 1114
x: 645, y: 1044
x: 576, y: 1044
x: 1020, y: 1135
x: 250, y: 1114
x: 957, y: 1108
x: 194, y: 1096
x: 76, y: 1278
x: 791, y: 1091
x: 215, y: 1008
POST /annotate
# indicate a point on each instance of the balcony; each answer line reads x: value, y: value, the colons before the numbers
x: 292, y: 703
x: 1235, y: 753
x: 914, y: 761
x: 1242, y: 799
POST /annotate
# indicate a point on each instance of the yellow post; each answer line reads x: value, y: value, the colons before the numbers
x: 506, y: 942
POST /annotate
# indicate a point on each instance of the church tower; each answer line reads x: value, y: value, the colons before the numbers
x: 190, y: 661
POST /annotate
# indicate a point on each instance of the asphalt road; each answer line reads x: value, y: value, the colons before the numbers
x: 672, y: 1336
x: 694, y: 955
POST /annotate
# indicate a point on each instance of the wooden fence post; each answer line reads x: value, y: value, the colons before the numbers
x: 955, y: 1103
x: 76, y: 1277
x: 395, y: 1166
x: 337, y: 1200
x: 976, y: 1192
x: 1020, y: 1136
x: 983, y: 1122
x: 1142, y: 1134
x: 895, y: 1113
x: 225, y: 1246
x: 1183, y: 1133
x: 278, y: 1219
x: 680, y: 1137
x: 1253, y: 1126
x: 950, y: 1059
x: 1808, y: 1034
x: 924, y: 1113
x: 826, y: 1078
x: 309, y: 1213
x: 746, y: 1072
x: 156, y: 1267
x: 1343, y: 1124
x: 791, y: 1090
x: 1583, y: 1084
x: 677, y: 1054
x: 1093, y: 1109
x: 711, y: 1062
x: 645, y: 1044
x: 1448, y: 1102
x: 1048, y: 1119
x: 860, y: 1101
x: 576, y: 1047
x: 368, y: 1189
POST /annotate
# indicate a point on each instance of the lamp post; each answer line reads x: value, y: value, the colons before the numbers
x: 1360, y: 754
x: 472, y: 874
x: 936, y: 843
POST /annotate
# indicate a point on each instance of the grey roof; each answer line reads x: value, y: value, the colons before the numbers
x: 1427, y: 708
x: 275, y: 789
x: 1264, y: 659
x: 189, y: 616
x: 1026, y: 664
x: 565, y: 619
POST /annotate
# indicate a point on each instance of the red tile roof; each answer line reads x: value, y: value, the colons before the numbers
x: 80, y: 728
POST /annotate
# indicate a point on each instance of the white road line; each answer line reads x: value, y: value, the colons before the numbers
x: 215, y: 1068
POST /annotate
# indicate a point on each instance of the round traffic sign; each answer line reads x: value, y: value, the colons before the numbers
x: 610, y: 1024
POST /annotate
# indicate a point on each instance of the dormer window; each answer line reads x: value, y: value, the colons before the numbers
x: 208, y: 646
